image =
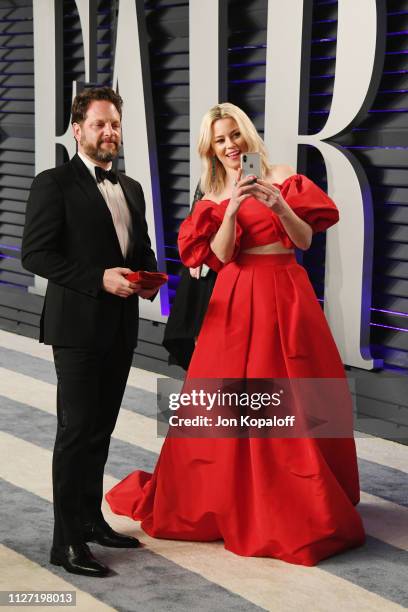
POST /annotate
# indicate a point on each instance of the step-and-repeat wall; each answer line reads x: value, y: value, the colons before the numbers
x: 328, y: 92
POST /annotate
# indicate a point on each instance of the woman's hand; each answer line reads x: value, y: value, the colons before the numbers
x: 243, y: 187
x: 271, y: 196
x: 195, y: 272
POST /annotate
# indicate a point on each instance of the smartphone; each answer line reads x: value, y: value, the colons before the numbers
x: 251, y: 164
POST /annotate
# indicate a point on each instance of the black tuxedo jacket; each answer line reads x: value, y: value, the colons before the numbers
x: 69, y: 238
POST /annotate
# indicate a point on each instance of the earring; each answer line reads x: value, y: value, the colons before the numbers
x: 213, y: 167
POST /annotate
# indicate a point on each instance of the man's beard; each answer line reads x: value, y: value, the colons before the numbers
x: 97, y: 153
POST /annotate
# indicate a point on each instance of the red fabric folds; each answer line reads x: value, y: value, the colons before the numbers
x: 196, y: 232
x: 310, y: 203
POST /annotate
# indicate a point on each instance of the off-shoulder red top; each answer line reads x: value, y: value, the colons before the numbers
x: 257, y: 224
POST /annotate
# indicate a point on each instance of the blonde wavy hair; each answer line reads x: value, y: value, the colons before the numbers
x: 214, y: 182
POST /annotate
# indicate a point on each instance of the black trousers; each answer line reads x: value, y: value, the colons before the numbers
x: 91, y: 383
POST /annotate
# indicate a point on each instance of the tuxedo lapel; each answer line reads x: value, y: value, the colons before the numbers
x: 90, y: 189
x: 134, y: 212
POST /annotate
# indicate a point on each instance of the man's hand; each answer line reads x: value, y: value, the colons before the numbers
x: 114, y: 282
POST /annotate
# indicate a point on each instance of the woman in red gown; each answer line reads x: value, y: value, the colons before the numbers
x: 288, y: 498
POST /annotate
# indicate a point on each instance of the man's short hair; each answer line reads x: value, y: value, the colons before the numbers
x: 82, y: 101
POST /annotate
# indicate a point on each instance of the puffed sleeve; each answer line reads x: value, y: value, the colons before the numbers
x: 196, y: 232
x: 310, y: 203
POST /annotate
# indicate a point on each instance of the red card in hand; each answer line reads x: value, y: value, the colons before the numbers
x: 148, y: 280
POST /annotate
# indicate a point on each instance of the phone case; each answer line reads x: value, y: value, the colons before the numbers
x: 251, y: 164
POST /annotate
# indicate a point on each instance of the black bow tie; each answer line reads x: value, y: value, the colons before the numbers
x: 102, y: 174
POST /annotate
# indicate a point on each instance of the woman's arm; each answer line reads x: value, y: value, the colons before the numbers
x: 223, y: 242
x: 299, y: 232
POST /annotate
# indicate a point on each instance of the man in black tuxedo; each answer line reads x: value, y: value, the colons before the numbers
x: 85, y: 230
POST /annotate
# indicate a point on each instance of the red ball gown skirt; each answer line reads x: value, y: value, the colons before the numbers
x: 292, y: 499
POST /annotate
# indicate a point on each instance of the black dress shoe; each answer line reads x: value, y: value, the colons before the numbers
x: 103, y: 534
x: 78, y: 559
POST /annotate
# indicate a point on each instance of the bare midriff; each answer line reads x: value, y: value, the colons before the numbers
x: 276, y: 248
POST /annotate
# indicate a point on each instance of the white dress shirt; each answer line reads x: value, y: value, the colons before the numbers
x: 116, y: 202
